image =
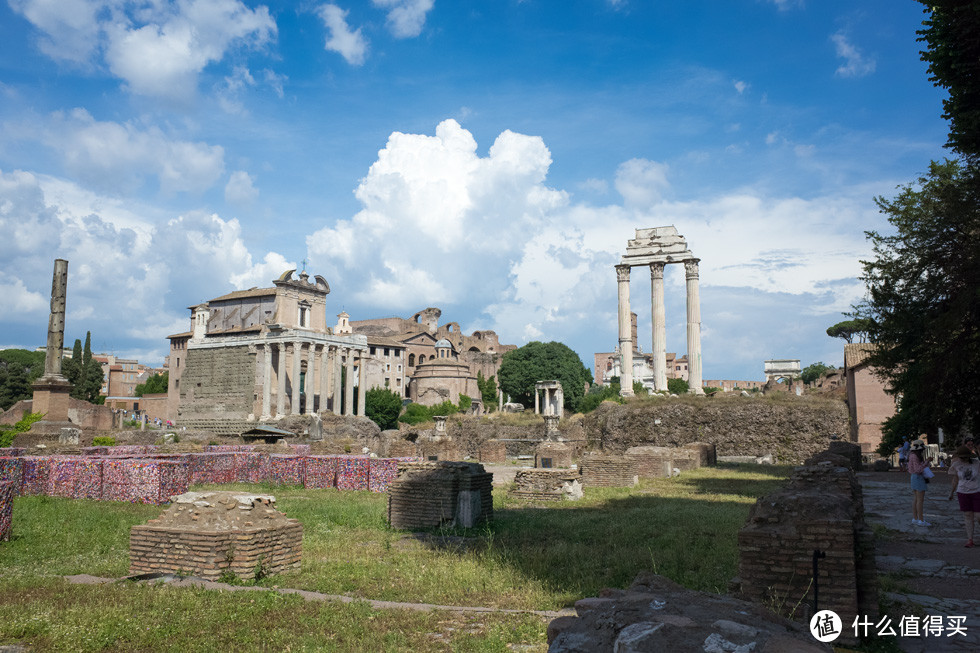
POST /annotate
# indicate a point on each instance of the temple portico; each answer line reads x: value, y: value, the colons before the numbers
x: 554, y: 398
x: 657, y: 247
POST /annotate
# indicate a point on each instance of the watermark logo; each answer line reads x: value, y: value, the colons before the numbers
x: 826, y: 626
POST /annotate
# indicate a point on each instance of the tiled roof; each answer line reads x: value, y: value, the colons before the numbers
x: 857, y: 353
x: 242, y: 294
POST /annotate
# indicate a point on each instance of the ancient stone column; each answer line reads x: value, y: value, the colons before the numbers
x: 659, y: 326
x: 349, y: 382
x: 51, y: 396
x: 281, y: 380
x: 310, y: 386
x: 361, y: 383
x: 266, y: 381
x: 693, y: 327
x: 625, y: 332
x: 324, y: 377
x: 537, y: 404
x: 56, y: 322
x: 297, y: 370
x: 337, y: 379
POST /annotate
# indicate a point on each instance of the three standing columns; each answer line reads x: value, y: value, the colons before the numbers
x: 659, y: 328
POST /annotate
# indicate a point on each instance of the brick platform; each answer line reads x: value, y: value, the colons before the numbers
x: 207, y: 534
x: 553, y: 455
x: 608, y: 471
x: 545, y: 484
x: 429, y: 494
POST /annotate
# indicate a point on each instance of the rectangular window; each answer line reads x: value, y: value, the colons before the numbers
x: 373, y: 351
x: 387, y: 382
x: 387, y: 367
x: 398, y: 353
x: 387, y: 352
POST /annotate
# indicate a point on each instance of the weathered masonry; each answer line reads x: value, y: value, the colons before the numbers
x: 263, y: 354
x: 656, y: 247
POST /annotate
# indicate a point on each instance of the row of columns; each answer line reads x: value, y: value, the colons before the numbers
x: 660, y: 327
x: 551, y: 394
x: 323, y: 371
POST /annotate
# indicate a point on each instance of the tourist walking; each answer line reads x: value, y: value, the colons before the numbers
x: 919, y: 469
x: 903, y: 454
x: 965, y: 472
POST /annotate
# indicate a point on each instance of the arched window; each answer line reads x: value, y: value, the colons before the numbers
x: 411, y: 360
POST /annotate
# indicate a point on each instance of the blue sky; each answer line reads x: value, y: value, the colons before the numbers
x: 489, y: 158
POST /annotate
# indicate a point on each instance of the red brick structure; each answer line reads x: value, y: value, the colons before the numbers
x: 208, y: 534
x: 428, y: 494
x: 493, y: 451
x: 820, y: 509
x: 553, y: 454
x: 867, y: 402
x: 599, y: 470
x: 546, y: 484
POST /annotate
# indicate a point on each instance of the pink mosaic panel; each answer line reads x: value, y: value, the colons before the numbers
x: 251, y: 467
x: 75, y: 478
x: 144, y: 481
x: 7, y: 493
x: 382, y: 472
x: 228, y: 448
x: 212, y: 468
x: 12, y: 471
x: 18, y: 451
x: 35, y: 476
x: 95, y: 451
x: 287, y: 470
x: 352, y: 472
x: 300, y: 449
x: 321, y: 471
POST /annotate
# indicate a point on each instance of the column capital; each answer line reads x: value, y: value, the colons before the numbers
x: 656, y: 271
x: 623, y: 272
x: 691, y: 268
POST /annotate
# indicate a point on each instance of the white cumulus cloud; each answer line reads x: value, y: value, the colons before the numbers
x: 122, y: 155
x: 240, y: 189
x: 157, y: 48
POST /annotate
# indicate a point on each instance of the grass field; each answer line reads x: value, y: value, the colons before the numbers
x: 534, y: 556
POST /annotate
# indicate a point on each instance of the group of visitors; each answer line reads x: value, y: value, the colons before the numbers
x: 964, y: 472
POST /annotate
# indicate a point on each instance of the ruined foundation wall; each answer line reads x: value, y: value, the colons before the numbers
x: 217, y: 384
x: 790, y: 428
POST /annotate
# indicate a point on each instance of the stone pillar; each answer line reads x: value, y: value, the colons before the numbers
x: 337, y: 378
x: 266, y: 381
x: 560, y: 401
x: 281, y: 380
x: 56, y: 321
x: 325, y: 373
x: 659, y: 326
x: 297, y: 369
x: 625, y: 332
x: 349, y: 382
x: 537, y: 405
x: 693, y: 327
x: 310, y: 386
x: 361, y: 383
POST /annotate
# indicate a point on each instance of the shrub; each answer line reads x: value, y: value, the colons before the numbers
x: 382, y: 406
x: 677, y: 386
x: 8, y: 433
x: 415, y: 414
x: 103, y: 441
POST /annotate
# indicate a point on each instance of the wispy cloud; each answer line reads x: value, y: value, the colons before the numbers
x: 856, y: 64
x: 406, y: 18
x: 350, y: 44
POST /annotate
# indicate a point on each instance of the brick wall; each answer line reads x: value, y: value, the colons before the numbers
x: 557, y: 454
x: 543, y: 484
x: 820, y: 509
x: 608, y: 471
x: 208, y: 554
x: 217, y: 383
x: 493, y: 451
x: 428, y: 494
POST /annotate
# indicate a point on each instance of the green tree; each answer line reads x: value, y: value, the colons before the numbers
x: 154, y: 385
x: 598, y: 394
x: 924, y: 304
x: 19, y: 368
x: 813, y: 372
x: 536, y: 361
x: 849, y: 329
x: 71, y: 368
x: 953, y: 55
x: 89, y: 383
x: 382, y: 406
x: 677, y: 386
x: 488, y: 391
